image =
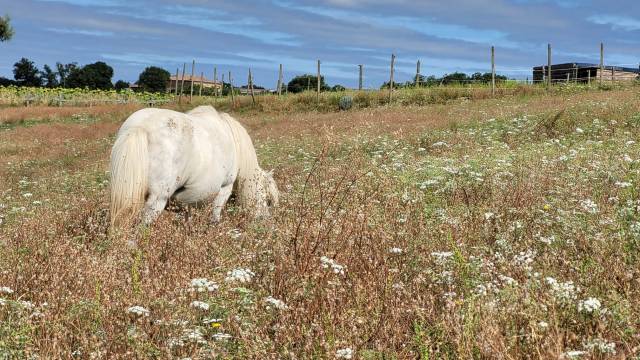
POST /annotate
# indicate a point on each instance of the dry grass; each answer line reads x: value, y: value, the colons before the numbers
x: 443, y: 229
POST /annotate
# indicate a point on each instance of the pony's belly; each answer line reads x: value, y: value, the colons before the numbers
x: 194, y: 196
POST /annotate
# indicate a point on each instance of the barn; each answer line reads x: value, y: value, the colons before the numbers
x: 176, y: 82
x: 584, y: 72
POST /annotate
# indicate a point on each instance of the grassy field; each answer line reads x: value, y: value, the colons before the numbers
x: 472, y: 227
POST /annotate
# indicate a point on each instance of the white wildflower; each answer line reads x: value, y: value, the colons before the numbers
x: 202, y: 285
x: 346, y: 353
x: 439, y: 144
x: 395, y: 250
x: 574, y: 354
x: 562, y: 291
x: 201, y: 305
x: 589, y: 206
x: 480, y: 290
x: 5, y: 290
x: 240, y: 275
x: 278, y: 304
x: 441, y: 256
x: 543, y: 325
x: 579, y: 131
x: 221, y: 336
x: 601, y: 346
x: 524, y: 259
x: 27, y: 195
x: 330, y: 263
x: 27, y: 304
x: 194, y: 335
x: 509, y: 281
x: 172, y: 343
x: 3, y: 302
x: 208, y: 321
x: 589, y: 305
x: 138, y: 310
x: 623, y: 184
x: 488, y: 216
x: 547, y: 239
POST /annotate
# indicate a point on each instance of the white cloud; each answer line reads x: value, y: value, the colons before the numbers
x: 616, y: 22
x: 71, y: 31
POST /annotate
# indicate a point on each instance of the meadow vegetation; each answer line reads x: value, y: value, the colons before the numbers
x: 450, y: 224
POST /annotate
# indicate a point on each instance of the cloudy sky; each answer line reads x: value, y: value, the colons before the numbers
x: 447, y: 36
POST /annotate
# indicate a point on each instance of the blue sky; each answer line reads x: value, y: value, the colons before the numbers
x: 447, y: 36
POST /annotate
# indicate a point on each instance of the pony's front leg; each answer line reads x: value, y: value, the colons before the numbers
x: 219, y: 202
x: 153, y: 207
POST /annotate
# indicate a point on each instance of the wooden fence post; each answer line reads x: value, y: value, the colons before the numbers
x: 601, y: 61
x: 549, y: 76
x: 393, y: 60
x: 360, y: 70
x: 613, y: 74
x: 176, y: 82
x: 184, y: 67
x: 280, y: 80
x: 201, y: 84
x: 318, y: 81
x: 589, y: 78
x: 215, y: 81
x: 250, y: 85
x: 193, y: 68
x: 417, y: 81
x: 493, y: 71
x: 233, y: 103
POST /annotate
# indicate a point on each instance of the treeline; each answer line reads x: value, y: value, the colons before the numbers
x: 308, y: 82
x: 96, y: 76
x: 93, y: 76
x: 154, y: 79
x: 447, y: 79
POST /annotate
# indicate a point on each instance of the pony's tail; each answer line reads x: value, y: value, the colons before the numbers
x: 129, y: 174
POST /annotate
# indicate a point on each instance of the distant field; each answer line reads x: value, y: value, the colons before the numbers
x: 448, y: 224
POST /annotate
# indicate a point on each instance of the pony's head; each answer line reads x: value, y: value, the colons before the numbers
x: 271, y: 188
x: 268, y: 195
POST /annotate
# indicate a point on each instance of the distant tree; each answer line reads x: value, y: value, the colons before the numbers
x: 63, y: 72
x: 26, y: 73
x: 337, y: 88
x: 226, y: 89
x: 455, y: 78
x: 49, y: 77
x: 93, y: 76
x: 303, y: 82
x: 121, y: 85
x: 154, y: 79
x: 6, y: 82
x: 486, y: 77
x: 6, y: 30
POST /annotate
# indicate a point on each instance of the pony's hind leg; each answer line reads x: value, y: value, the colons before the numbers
x: 219, y: 202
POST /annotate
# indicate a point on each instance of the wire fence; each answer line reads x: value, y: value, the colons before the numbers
x: 184, y: 86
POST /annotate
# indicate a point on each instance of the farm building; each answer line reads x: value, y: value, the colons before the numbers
x: 583, y: 72
x: 197, y: 80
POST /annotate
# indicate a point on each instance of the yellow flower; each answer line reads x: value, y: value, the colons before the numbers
x: 547, y: 206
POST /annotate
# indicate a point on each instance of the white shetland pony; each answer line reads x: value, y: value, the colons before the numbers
x: 202, y: 155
